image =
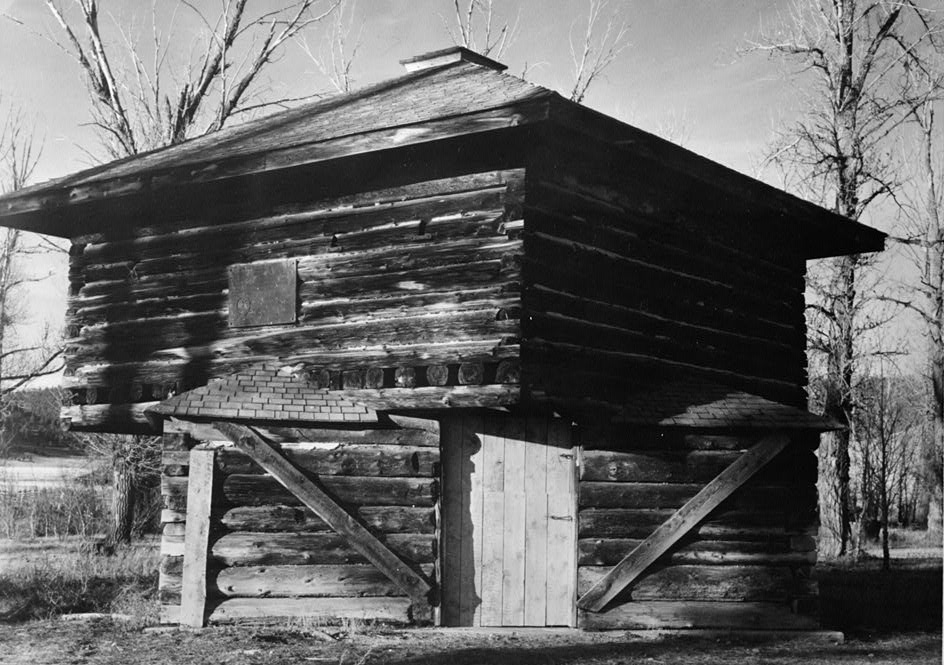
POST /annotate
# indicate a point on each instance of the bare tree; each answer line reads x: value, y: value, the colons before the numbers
x: 144, y: 97
x: 601, y: 42
x: 856, y: 54
x: 335, y: 53
x: 888, y: 425
x: 477, y: 27
x: 923, y: 242
x: 21, y: 359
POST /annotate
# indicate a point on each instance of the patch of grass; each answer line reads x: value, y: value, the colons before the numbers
x: 76, y: 507
x: 863, y: 597
x: 82, y: 581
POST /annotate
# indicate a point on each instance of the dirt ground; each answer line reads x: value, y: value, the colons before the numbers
x: 103, y: 641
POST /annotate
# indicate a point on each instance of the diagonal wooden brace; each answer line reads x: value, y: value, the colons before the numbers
x: 362, y: 540
x: 683, y: 521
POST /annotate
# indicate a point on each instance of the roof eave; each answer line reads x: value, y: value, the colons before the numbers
x: 826, y: 233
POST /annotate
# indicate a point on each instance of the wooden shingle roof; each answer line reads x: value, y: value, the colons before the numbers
x: 265, y: 392
x: 460, y: 98
x: 702, y: 404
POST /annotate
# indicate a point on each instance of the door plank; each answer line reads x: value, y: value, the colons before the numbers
x: 560, y: 459
x: 324, y: 506
x: 561, y: 526
x: 492, y: 551
x: 513, y: 571
x: 493, y: 463
x: 561, y: 571
x: 535, y: 583
x: 683, y: 521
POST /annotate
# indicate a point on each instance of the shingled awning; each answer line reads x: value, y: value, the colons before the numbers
x: 265, y: 392
x: 691, y: 402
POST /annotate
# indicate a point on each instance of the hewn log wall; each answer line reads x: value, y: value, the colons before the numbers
x: 425, y: 274
x: 272, y: 557
x: 748, y: 565
x: 625, y: 276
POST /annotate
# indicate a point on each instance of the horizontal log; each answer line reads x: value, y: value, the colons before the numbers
x: 386, y: 609
x: 610, y: 551
x: 650, y: 615
x: 553, y: 213
x: 565, y: 329
x: 102, y: 417
x: 176, y: 370
x: 546, y: 355
x: 258, y: 549
x: 462, y: 191
x: 168, y: 516
x: 382, y: 519
x: 172, y: 566
x: 655, y: 466
x: 687, y: 582
x: 169, y: 613
x: 721, y: 525
x: 332, y: 247
x: 680, y: 318
x: 597, y: 494
x: 347, y: 460
x: 676, y: 466
x: 305, y: 581
x: 256, y: 490
x: 196, y: 336
x: 641, y: 273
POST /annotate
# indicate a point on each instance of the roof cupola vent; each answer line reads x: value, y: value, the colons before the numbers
x: 447, y: 56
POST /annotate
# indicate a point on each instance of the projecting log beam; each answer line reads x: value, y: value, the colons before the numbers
x: 261, y: 549
x: 324, y: 506
x: 124, y: 417
x: 693, y: 614
x: 383, y: 519
x: 683, y: 521
x: 306, y: 581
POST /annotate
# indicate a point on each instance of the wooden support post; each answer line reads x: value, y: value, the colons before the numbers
x: 683, y: 521
x: 263, y: 454
x: 197, y: 538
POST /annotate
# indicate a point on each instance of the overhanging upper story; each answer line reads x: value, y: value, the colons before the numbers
x: 455, y: 237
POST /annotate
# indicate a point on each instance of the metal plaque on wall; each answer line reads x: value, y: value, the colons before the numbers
x: 262, y: 293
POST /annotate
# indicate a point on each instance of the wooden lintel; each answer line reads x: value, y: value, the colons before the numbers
x: 681, y: 522
x: 263, y: 454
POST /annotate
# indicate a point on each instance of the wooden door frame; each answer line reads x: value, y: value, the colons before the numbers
x: 574, y: 471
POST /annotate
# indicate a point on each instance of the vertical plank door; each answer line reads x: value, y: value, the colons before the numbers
x: 509, y: 523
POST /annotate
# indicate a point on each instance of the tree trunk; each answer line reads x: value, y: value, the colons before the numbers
x: 122, y: 501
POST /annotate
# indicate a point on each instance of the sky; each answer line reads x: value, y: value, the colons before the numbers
x: 683, y: 68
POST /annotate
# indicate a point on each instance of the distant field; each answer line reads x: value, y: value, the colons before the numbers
x: 45, y: 471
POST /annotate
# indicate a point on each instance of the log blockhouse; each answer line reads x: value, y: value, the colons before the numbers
x: 454, y: 350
